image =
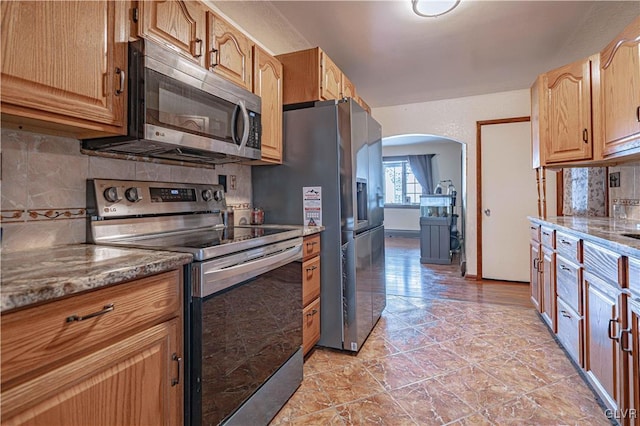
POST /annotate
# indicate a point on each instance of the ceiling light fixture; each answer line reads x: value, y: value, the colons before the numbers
x: 433, y: 8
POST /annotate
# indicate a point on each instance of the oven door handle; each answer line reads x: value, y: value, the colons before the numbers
x: 216, y: 280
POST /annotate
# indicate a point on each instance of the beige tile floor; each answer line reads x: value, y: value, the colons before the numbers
x: 437, y: 361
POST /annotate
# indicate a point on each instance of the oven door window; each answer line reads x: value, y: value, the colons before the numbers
x: 176, y: 105
x: 246, y: 333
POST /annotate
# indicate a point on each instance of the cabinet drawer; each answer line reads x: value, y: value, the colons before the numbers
x: 548, y: 237
x: 534, y: 230
x: 569, y: 247
x: 570, y: 331
x: 310, y: 280
x: 310, y: 325
x: 601, y: 262
x: 39, y: 338
x: 634, y: 276
x: 568, y: 279
x: 311, y: 246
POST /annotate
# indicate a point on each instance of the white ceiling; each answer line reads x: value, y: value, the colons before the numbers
x: 395, y: 57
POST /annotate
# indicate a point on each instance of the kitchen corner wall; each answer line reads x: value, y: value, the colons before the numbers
x: 624, y: 200
x: 43, y: 182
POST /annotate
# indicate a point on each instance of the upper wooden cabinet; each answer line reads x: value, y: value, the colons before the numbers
x: 310, y: 75
x: 267, y: 83
x: 567, y: 99
x: 64, y: 66
x: 229, y: 51
x: 177, y: 23
x: 331, y: 87
x: 620, y: 95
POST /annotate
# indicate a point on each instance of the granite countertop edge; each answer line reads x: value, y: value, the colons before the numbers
x: 602, y: 230
x: 41, y: 275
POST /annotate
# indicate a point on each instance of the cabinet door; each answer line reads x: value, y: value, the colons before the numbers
x: 267, y: 75
x: 620, y: 91
x: 137, y: 380
x: 229, y: 52
x: 49, y: 75
x: 348, y: 89
x: 632, y: 348
x: 549, y: 287
x: 568, y: 98
x: 331, y: 78
x: 181, y: 24
x: 535, y: 274
x: 602, y: 326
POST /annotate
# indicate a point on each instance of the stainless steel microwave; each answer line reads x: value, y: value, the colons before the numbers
x: 178, y: 110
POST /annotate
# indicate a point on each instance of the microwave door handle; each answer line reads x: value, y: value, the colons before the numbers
x: 245, y: 125
x: 234, y: 122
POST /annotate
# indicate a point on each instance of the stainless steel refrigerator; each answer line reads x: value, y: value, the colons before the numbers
x: 337, y: 146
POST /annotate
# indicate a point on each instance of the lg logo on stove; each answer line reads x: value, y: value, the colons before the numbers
x: 109, y: 209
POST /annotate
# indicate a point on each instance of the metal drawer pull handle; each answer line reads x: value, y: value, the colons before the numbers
x: 565, y: 314
x: 545, y: 233
x: 177, y: 359
x: 312, y: 243
x: 564, y: 268
x: 122, y: 75
x: 198, y: 41
x: 628, y: 333
x: 533, y: 228
x: 611, y: 336
x: 312, y: 313
x: 213, y: 58
x: 585, y: 135
x: 313, y: 268
x: 105, y: 309
x: 638, y: 114
x: 565, y: 242
x: 536, y: 262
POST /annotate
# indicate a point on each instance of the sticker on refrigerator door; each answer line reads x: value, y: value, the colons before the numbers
x: 312, y: 205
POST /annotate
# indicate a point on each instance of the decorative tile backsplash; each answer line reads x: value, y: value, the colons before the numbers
x: 624, y: 200
x: 584, y: 191
x: 43, y: 182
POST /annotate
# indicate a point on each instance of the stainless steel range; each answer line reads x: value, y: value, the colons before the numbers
x: 243, y: 293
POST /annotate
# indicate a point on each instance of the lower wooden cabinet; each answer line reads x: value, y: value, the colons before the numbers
x: 109, y: 356
x: 549, y: 287
x: 602, y: 343
x: 570, y: 331
x: 535, y: 274
x: 631, y: 347
x: 310, y: 325
x: 310, y: 292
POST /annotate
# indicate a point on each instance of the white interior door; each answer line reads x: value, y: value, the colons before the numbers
x: 508, y: 197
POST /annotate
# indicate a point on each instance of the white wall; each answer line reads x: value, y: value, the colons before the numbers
x: 456, y: 119
x: 446, y: 165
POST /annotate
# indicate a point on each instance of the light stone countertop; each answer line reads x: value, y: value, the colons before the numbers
x: 603, y: 230
x: 40, y: 275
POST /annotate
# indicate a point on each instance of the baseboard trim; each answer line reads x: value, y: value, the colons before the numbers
x: 401, y: 233
x: 471, y: 277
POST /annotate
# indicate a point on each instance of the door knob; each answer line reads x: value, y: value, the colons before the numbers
x: 487, y: 212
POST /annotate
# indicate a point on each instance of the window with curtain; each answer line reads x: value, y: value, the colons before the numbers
x: 401, y: 186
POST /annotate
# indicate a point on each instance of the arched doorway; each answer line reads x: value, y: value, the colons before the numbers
x: 448, y: 163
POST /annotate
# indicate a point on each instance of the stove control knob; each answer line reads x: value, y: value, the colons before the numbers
x: 133, y: 194
x: 207, y: 195
x: 218, y: 195
x: 112, y: 195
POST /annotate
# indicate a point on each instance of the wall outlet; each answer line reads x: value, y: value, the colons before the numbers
x: 614, y: 180
x: 233, y: 182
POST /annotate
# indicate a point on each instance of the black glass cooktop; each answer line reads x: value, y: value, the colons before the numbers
x: 208, y: 243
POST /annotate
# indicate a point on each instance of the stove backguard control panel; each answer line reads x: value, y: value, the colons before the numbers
x: 109, y: 198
